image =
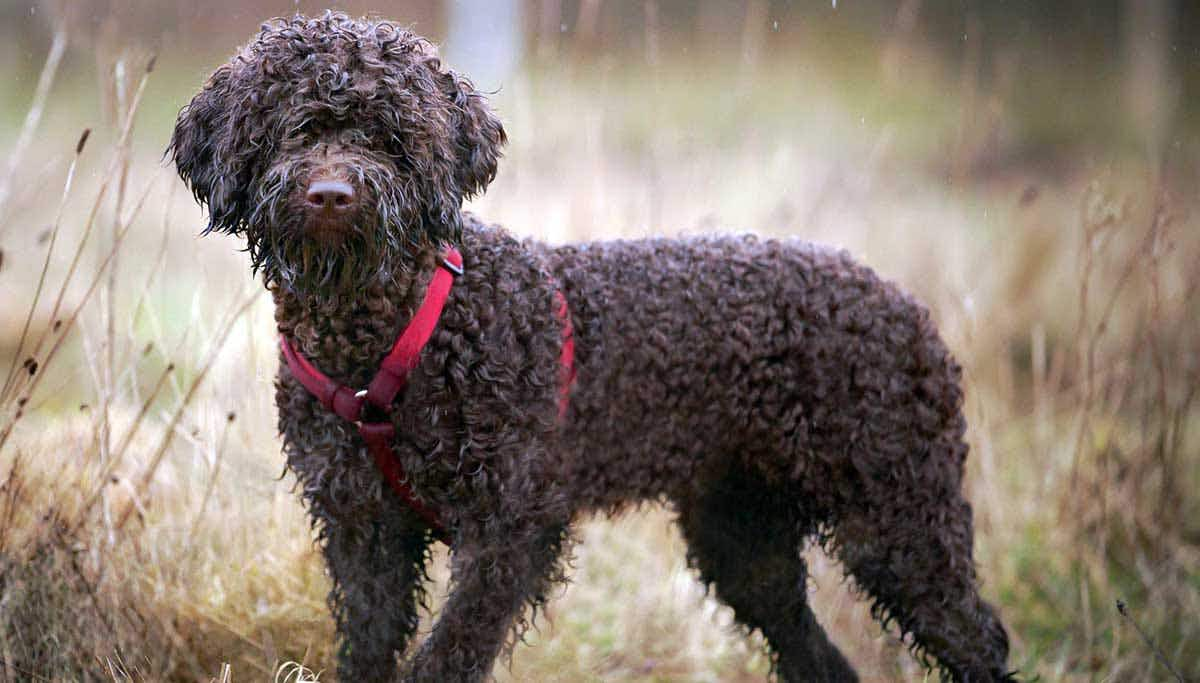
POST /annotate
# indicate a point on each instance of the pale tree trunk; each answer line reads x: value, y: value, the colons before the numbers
x: 484, y: 40
x: 1151, y: 89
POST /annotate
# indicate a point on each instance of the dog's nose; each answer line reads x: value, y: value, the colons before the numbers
x: 332, y: 196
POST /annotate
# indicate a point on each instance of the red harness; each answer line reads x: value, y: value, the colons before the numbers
x: 393, y: 376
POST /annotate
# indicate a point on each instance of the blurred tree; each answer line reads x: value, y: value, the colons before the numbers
x: 484, y: 39
x: 1146, y: 53
x: 1151, y: 89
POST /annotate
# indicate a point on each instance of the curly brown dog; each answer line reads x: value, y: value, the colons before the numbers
x: 768, y: 391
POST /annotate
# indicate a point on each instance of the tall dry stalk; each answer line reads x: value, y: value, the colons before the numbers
x: 32, y: 117
x: 63, y: 611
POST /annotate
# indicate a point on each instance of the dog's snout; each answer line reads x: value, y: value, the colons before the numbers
x: 332, y: 196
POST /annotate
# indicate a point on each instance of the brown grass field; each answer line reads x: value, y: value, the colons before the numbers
x: 146, y: 533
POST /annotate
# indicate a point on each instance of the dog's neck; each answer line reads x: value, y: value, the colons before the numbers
x: 346, y: 335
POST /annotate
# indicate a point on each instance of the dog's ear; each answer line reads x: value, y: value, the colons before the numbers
x: 480, y: 134
x: 196, y: 150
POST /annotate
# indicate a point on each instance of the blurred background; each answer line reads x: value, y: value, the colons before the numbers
x: 1028, y: 169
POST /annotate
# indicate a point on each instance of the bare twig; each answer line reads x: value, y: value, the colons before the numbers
x: 169, y: 432
x: 33, y: 116
x: 12, y: 489
x: 156, y: 269
x: 1121, y: 607
x: 37, y: 293
x: 117, y: 455
x: 35, y: 377
x: 218, y: 457
x: 122, y: 162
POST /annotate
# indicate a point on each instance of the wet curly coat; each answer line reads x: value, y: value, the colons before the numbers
x: 768, y: 391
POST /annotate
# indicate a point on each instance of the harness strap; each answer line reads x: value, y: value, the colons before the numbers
x: 406, y: 352
x: 566, y: 358
x: 392, y: 377
x: 378, y: 437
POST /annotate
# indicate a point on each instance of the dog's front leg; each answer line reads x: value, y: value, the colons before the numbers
x: 497, y: 569
x: 377, y: 563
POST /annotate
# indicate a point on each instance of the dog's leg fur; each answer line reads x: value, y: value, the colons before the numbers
x: 377, y: 573
x: 921, y: 574
x: 745, y: 539
x: 915, y: 578
x: 496, y: 572
x: 503, y: 560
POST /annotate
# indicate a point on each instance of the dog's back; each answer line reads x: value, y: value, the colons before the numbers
x: 730, y: 347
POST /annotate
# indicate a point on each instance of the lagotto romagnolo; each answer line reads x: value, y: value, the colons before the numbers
x: 767, y: 391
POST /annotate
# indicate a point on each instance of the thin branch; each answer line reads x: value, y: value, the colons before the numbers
x: 37, y: 293
x: 1149, y: 642
x: 169, y: 433
x: 33, y: 116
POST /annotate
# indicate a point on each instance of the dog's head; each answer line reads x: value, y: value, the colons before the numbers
x: 337, y: 147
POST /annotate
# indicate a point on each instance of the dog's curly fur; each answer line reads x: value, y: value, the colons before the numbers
x: 769, y: 391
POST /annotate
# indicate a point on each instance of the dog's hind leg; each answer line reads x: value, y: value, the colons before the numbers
x: 377, y: 567
x: 746, y: 540
x: 913, y: 554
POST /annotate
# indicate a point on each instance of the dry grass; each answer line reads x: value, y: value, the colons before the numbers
x: 144, y: 534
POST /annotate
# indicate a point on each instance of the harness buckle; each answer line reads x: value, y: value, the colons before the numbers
x: 452, y: 267
x: 361, y: 394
